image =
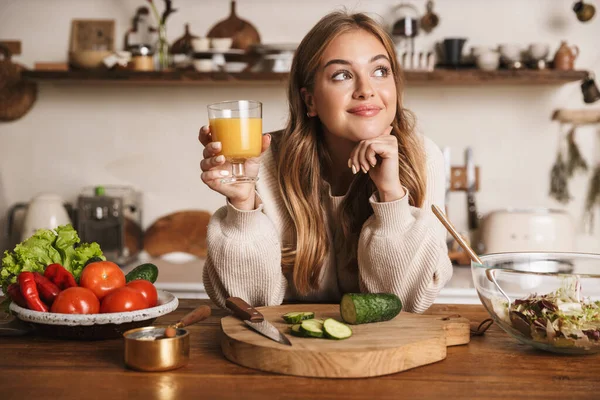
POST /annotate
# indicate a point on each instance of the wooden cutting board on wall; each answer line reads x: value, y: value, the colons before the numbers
x: 407, y: 341
x: 181, y: 231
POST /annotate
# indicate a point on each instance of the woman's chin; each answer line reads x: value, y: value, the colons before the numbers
x: 367, y: 133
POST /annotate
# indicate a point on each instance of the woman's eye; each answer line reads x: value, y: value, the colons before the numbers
x: 382, y: 72
x: 341, y: 76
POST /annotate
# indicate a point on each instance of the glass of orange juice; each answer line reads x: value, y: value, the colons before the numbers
x: 238, y: 126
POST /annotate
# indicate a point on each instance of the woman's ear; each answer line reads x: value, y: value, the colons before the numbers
x: 309, y: 102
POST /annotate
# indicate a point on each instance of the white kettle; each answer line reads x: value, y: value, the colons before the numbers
x: 44, y: 211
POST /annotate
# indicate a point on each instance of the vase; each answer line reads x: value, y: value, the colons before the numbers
x: 162, y: 49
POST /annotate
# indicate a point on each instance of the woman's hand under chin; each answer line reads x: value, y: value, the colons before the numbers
x: 383, y: 170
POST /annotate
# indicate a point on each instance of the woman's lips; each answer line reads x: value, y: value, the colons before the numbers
x: 365, y: 111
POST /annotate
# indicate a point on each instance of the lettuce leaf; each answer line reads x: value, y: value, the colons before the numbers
x: 46, y: 247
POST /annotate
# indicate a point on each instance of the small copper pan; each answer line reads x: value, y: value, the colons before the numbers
x: 149, y: 349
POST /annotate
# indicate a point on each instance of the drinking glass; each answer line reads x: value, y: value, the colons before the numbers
x: 238, y: 126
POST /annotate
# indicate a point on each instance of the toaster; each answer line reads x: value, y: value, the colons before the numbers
x: 536, y: 229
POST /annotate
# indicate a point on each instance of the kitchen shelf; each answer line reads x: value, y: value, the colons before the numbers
x: 439, y: 77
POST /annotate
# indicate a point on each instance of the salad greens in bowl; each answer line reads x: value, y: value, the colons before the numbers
x: 547, y: 300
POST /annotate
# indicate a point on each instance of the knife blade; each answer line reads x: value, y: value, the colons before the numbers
x: 471, y: 181
x: 255, y: 320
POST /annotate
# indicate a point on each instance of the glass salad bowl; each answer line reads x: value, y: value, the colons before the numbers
x: 550, y: 301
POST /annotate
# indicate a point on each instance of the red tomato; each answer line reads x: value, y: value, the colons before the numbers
x: 102, y: 277
x: 147, y: 289
x: 76, y: 300
x: 123, y: 299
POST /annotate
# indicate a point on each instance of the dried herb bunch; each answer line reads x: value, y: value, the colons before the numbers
x: 576, y: 161
x: 593, y: 196
x: 559, y: 180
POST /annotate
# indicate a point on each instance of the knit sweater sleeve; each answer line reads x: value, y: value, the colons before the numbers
x: 244, y: 258
x: 402, y: 249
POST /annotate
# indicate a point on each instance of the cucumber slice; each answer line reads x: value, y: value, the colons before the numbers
x: 312, y: 328
x: 295, y: 331
x: 362, y: 308
x: 336, y: 330
x: 297, y: 317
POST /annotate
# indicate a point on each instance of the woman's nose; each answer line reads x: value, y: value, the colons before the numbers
x: 363, y: 89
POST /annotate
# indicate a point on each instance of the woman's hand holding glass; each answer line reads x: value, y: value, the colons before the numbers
x: 379, y: 158
x: 215, y: 168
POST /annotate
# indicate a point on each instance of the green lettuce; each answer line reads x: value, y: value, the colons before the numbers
x: 47, y: 247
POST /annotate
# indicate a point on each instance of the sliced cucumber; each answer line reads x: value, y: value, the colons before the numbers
x: 312, y: 328
x: 336, y: 330
x: 362, y: 308
x: 297, y: 317
x: 295, y: 331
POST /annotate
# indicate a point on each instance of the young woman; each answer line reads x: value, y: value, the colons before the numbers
x: 343, y: 199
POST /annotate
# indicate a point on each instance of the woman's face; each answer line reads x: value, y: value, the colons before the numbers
x: 354, y: 93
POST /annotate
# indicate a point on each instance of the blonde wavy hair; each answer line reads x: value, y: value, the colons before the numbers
x: 301, y: 157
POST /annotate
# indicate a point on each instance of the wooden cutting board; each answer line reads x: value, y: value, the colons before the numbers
x: 407, y: 341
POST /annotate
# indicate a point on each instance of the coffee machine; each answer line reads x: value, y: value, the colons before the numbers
x: 111, y: 216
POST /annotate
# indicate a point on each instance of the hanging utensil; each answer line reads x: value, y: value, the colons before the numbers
x: 243, y: 33
x: 430, y: 20
x: 490, y: 273
x: 584, y: 12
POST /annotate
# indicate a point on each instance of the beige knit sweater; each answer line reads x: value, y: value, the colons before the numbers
x: 402, y: 249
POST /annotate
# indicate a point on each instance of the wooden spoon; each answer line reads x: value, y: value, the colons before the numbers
x: 446, y: 222
x: 197, y: 315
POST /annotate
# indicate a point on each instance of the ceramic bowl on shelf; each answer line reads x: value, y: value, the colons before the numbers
x: 221, y: 44
x: 510, y: 52
x: 235, y: 67
x: 487, y: 60
x: 554, y: 298
x: 201, y: 44
x: 204, y: 65
x: 88, y: 59
x: 95, y: 326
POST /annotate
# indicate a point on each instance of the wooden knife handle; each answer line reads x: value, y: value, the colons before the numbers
x: 472, y: 211
x: 243, y: 310
x: 194, y: 316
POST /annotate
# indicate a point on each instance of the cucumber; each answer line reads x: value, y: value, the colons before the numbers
x: 312, y: 328
x: 297, y: 317
x: 295, y: 331
x: 336, y: 330
x: 146, y: 271
x: 362, y: 308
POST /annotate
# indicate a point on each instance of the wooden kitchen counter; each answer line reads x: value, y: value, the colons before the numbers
x: 492, y: 366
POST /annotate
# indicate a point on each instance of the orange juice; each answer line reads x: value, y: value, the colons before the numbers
x: 240, y: 138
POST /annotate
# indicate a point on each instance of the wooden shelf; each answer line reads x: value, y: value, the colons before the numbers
x: 439, y: 77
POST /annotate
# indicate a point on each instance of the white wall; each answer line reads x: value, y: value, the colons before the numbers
x: 79, y: 135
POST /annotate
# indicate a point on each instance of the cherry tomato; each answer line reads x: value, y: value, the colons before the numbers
x: 102, y: 277
x: 76, y: 300
x: 147, y: 289
x: 123, y: 299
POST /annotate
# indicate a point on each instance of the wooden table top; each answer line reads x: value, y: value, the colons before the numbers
x: 492, y: 366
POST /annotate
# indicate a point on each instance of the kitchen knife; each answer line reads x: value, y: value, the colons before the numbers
x: 255, y: 320
x: 471, y: 179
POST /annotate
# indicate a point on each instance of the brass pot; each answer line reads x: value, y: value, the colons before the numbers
x: 146, y: 349
x: 162, y: 347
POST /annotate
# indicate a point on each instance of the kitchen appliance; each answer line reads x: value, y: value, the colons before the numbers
x: 407, y: 341
x: 519, y: 230
x: 44, y: 211
x: 112, y: 217
x: 255, y: 320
